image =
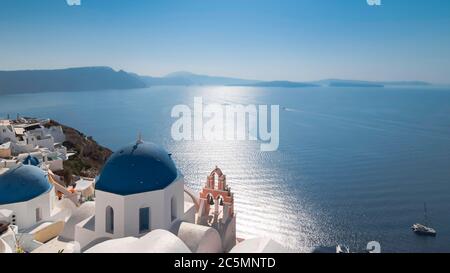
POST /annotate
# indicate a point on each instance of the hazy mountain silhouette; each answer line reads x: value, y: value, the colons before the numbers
x: 103, y: 78
x: 286, y: 84
x: 355, y: 83
x: 71, y: 79
x: 187, y: 78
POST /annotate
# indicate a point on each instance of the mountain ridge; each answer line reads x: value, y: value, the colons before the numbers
x: 67, y: 79
x: 188, y: 78
x: 104, y: 78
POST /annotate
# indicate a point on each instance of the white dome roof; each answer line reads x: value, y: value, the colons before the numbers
x: 200, y: 239
x: 156, y: 241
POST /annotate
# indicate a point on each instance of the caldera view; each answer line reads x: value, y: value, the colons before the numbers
x: 225, y: 127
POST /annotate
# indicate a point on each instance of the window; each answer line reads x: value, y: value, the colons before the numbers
x: 38, y: 215
x: 173, y: 208
x: 109, y: 220
x: 144, y: 220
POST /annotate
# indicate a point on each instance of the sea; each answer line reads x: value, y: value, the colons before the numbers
x: 354, y: 165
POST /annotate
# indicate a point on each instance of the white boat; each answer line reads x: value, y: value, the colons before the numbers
x: 342, y: 249
x: 424, y: 229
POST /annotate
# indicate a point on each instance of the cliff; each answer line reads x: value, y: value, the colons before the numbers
x: 63, y: 80
x: 89, y: 158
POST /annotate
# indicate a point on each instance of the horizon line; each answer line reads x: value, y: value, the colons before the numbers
x: 223, y: 76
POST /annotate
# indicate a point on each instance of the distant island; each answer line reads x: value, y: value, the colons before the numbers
x: 106, y: 78
x: 353, y: 83
x: 285, y: 84
x: 70, y: 79
x: 347, y: 83
x: 186, y: 79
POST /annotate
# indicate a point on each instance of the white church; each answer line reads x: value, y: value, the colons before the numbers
x: 141, y: 205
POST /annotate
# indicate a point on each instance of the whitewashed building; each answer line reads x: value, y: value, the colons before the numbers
x: 27, y: 193
x: 141, y: 205
x: 7, y: 133
x: 138, y: 190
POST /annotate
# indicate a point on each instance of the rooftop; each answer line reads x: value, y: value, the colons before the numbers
x: 5, y: 122
x: 137, y: 168
x: 22, y: 183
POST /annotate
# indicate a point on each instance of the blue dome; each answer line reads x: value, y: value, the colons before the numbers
x: 31, y: 160
x: 137, y: 168
x: 23, y: 183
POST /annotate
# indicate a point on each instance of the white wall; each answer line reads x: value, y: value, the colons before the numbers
x: 46, y: 143
x: 22, y: 147
x: 57, y: 133
x: 55, y: 165
x: 175, y: 190
x: 153, y: 200
x: 6, y: 134
x: 102, y: 201
x: 229, y: 236
x: 25, y: 212
x: 126, y: 210
x: 189, y: 212
x: 83, y: 235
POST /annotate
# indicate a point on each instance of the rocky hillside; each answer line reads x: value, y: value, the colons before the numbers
x: 89, y: 158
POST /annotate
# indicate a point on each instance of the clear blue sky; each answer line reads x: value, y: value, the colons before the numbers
x: 258, y: 39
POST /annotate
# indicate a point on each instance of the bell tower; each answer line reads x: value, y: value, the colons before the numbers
x: 216, y: 208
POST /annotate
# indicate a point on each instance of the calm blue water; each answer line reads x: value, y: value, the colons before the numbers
x: 354, y: 165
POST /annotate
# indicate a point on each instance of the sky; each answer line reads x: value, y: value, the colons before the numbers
x: 297, y: 40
